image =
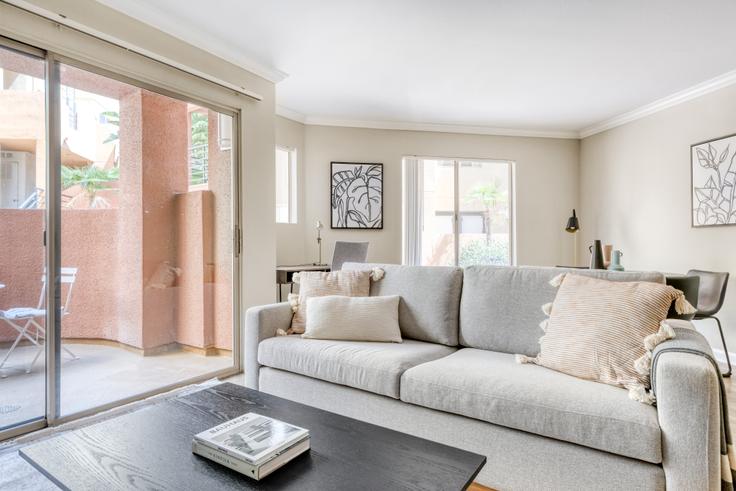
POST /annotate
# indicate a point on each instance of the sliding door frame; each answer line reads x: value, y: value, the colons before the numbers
x: 52, y: 240
x: 52, y: 237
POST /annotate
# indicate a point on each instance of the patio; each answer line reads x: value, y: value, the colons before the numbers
x: 101, y: 374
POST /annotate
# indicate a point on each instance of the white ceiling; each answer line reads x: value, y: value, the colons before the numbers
x: 529, y: 65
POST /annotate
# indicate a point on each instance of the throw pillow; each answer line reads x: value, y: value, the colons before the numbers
x: 354, y: 318
x: 606, y: 330
x: 320, y: 284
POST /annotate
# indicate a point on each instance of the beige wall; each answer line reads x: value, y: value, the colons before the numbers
x: 290, y: 236
x: 546, y: 185
x: 635, y: 194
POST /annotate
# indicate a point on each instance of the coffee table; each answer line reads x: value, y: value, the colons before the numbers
x: 150, y: 448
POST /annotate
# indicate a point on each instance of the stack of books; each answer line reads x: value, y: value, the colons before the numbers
x: 252, y: 444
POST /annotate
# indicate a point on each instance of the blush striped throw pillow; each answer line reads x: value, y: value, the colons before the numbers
x: 605, y: 331
x: 319, y: 284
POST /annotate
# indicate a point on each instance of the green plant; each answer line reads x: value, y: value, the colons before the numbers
x: 480, y: 252
x: 91, y: 180
x: 198, y: 149
x: 200, y: 128
x: 490, y: 195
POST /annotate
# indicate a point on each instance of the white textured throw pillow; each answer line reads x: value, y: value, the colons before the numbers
x: 354, y: 318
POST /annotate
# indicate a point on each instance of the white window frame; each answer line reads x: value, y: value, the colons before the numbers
x: 413, y: 205
x: 292, y: 185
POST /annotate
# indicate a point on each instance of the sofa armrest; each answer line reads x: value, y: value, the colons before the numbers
x: 688, y: 407
x: 261, y: 323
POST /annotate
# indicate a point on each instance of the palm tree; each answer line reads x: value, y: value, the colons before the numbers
x: 91, y: 180
x: 490, y: 195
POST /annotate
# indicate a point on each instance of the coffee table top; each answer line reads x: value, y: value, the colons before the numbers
x: 151, y: 448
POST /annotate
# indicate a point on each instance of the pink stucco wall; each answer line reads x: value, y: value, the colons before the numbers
x: 118, y: 250
x: 220, y: 184
x: 88, y: 238
x: 195, y: 326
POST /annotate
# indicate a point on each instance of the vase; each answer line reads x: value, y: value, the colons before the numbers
x: 607, y: 249
x: 596, y: 255
x: 616, y: 261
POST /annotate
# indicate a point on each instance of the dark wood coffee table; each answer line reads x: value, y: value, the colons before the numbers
x: 151, y: 449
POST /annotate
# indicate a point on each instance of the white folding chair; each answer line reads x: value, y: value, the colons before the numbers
x: 23, y: 319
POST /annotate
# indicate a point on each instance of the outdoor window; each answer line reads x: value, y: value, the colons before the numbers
x: 285, y: 185
x: 198, y: 145
x: 458, y: 212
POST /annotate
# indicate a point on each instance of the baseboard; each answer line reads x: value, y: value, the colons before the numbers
x: 721, y: 356
x: 157, y: 350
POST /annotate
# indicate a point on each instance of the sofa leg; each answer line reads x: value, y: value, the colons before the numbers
x: 725, y: 349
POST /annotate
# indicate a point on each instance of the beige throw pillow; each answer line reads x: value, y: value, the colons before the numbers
x: 606, y: 330
x: 354, y: 318
x: 320, y: 284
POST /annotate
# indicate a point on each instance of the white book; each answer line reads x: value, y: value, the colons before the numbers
x: 256, y: 472
x: 252, y: 437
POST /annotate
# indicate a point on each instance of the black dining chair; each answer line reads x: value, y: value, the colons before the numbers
x: 690, y: 286
x: 711, y: 294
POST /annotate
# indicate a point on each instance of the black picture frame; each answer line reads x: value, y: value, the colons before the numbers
x: 356, y: 196
x: 714, y: 162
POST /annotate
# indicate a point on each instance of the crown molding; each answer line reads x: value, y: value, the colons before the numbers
x: 703, y: 88
x: 411, y: 126
x: 287, y: 113
x: 149, y: 14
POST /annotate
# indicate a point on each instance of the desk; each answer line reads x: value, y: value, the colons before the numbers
x: 285, y: 274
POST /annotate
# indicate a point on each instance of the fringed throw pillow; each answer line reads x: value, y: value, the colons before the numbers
x: 320, y: 284
x: 606, y: 330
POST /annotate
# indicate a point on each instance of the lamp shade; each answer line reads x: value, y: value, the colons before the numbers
x: 573, y: 225
x: 319, y: 225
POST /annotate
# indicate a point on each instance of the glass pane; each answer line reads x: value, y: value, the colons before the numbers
x: 146, y: 226
x: 438, y: 184
x: 282, y: 186
x: 22, y: 222
x: 485, y: 225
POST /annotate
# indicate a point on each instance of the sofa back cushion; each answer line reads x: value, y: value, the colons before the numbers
x: 430, y: 299
x: 501, y: 306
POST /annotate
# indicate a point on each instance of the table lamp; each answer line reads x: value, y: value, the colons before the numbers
x: 319, y: 228
x: 573, y: 225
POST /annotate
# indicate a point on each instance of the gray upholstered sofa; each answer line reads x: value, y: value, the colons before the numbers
x: 454, y: 380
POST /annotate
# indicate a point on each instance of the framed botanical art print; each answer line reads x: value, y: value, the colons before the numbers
x: 356, y: 195
x: 713, y: 181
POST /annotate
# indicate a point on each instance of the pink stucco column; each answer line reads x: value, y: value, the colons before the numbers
x: 220, y: 183
x: 154, y: 168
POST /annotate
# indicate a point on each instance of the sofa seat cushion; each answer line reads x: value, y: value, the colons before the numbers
x: 491, y: 386
x: 371, y: 366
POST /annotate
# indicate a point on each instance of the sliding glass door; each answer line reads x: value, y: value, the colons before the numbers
x: 22, y: 224
x: 137, y: 232
x: 484, y: 231
x: 458, y: 212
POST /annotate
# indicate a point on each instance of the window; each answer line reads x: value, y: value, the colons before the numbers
x: 198, y: 146
x: 458, y: 212
x: 285, y: 185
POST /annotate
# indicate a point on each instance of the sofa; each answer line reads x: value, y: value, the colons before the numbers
x: 454, y: 380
